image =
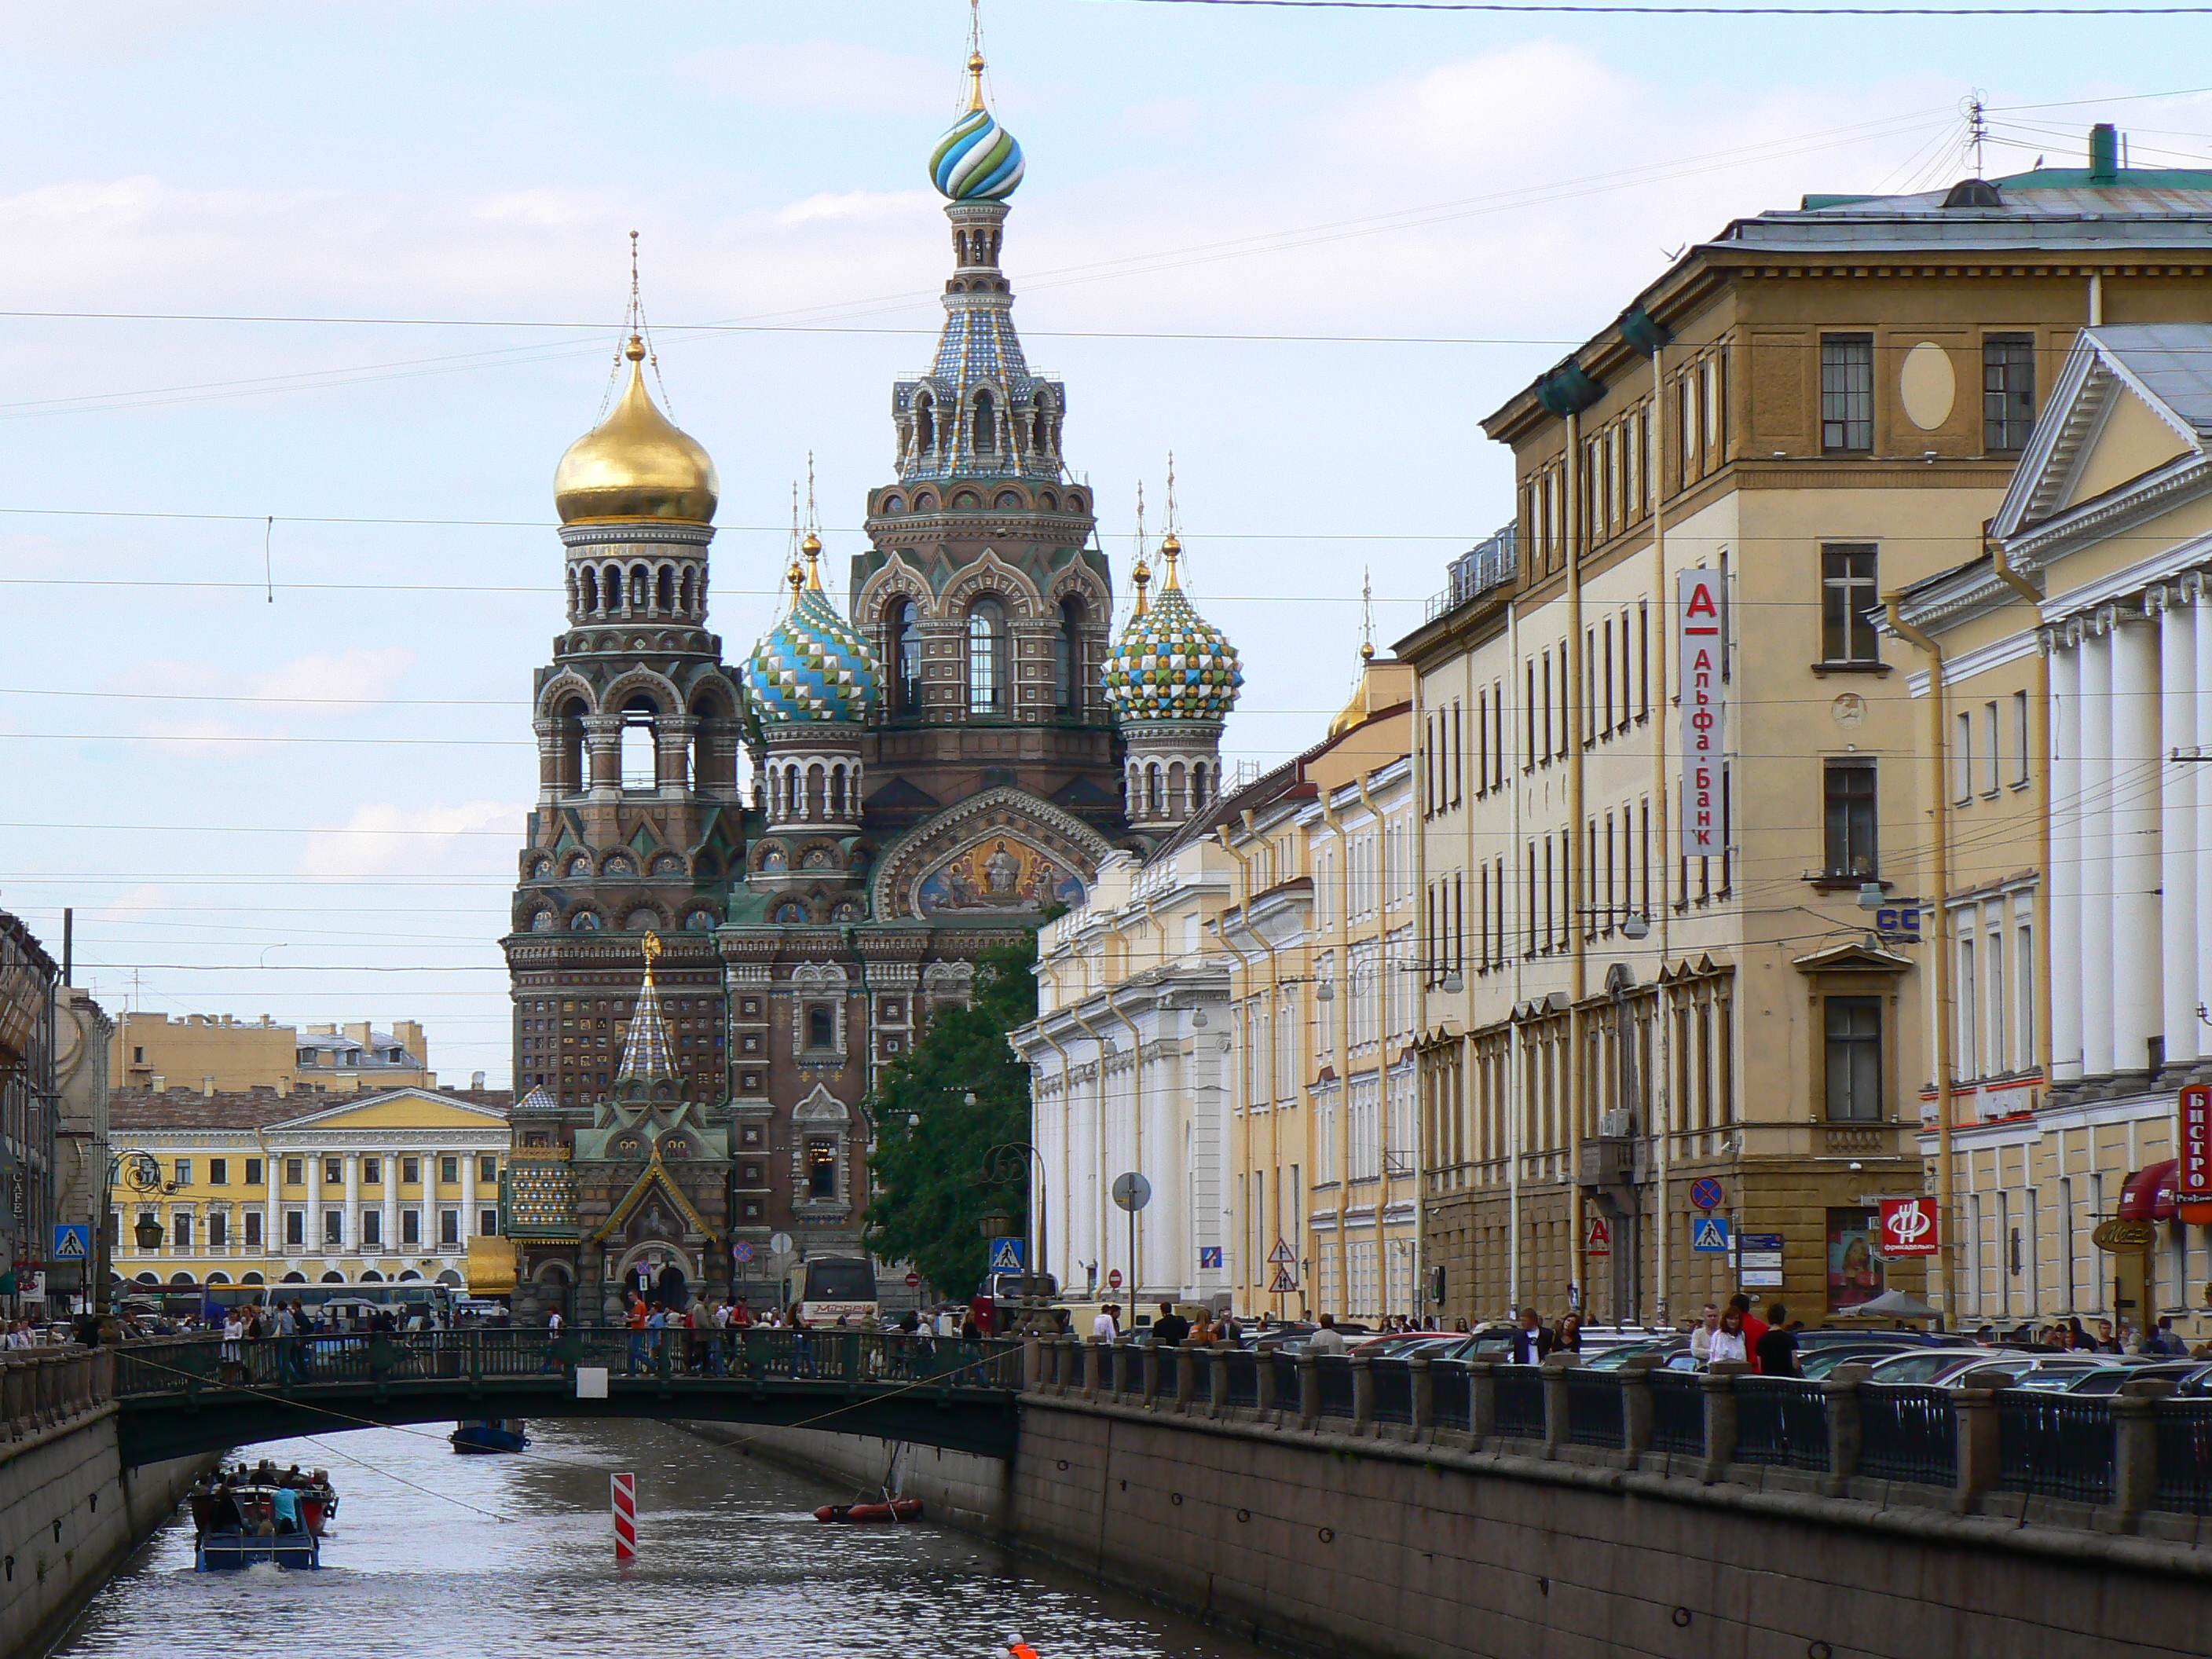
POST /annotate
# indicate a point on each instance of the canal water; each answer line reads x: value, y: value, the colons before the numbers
x: 440, y: 1555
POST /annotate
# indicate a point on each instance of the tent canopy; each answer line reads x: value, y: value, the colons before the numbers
x: 1890, y: 1304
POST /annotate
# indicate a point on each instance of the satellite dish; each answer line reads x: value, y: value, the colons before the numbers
x: 1132, y: 1191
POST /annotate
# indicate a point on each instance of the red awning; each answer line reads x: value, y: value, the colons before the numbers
x: 2150, y: 1191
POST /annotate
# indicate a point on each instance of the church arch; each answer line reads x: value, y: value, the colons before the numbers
x: 989, y: 692
x: 610, y: 589
x: 591, y: 603
x: 1152, y: 802
x: 925, y: 429
x: 664, y: 588
x: 987, y: 424
x: 641, y: 586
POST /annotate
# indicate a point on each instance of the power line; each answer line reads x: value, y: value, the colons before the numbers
x: 1536, y: 7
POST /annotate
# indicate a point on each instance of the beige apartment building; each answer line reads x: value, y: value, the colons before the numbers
x: 1683, y: 969
x: 2076, y: 888
x: 152, y: 1051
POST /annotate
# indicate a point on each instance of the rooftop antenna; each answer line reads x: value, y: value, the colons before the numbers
x: 1977, y: 128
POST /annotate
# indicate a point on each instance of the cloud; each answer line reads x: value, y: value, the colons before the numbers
x: 816, y: 75
x: 325, y: 685
x: 382, y: 838
x: 147, y: 899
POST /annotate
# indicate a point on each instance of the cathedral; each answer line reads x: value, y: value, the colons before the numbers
x: 710, y: 961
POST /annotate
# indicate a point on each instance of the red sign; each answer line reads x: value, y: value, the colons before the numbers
x: 1600, y: 1241
x: 2193, y: 1179
x: 1909, y: 1228
x: 914, y: 1281
x: 1113, y: 1279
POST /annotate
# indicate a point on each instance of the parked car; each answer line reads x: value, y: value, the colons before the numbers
x: 1822, y: 1361
x: 1944, y: 1367
x: 2190, y: 1377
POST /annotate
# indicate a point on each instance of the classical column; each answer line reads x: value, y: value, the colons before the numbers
x: 353, y: 1202
x: 603, y: 743
x: 2094, y: 859
x: 2062, y: 723
x: 388, y: 1243
x: 549, y: 780
x: 673, y: 736
x: 2137, y: 764
x: 468, y: 1195
x: 2178, y: 623
x: 311, y: 1232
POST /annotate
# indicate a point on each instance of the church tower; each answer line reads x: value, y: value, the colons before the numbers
x: 986, y: 602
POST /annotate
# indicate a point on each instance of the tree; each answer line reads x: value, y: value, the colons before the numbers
x: 930, y: 1184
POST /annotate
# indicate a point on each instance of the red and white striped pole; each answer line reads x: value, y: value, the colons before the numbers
x: 625, y: 1493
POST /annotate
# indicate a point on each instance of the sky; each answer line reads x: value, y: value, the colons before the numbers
x: 301, y: 303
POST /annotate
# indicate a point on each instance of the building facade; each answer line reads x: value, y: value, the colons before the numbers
x: 28, y: 1148
x: 1670, y: 980
x: 150, y: 1051
x: 262, y: 1189
x: 931, y: 770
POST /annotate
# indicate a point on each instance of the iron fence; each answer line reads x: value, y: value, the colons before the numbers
x: 1393, y: 1385
x: 2184, y: 1431
x: 1595, y: 1414
x: 1334, y: 1375
x: 1243, y: 1384
x: 1201, y: 1374
x: 1520, y: 1401
x: 1286, y: 1378
x: 1678, y: 1412
x: 1782, y: 1422
x: 2055, y: 1445
x: 1451, y: 1394
x: 1908, y: 1433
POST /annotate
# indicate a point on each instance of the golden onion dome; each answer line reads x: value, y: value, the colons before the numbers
x: 637, y: 463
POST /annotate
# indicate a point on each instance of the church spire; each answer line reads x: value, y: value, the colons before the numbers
x: 647, y: 1056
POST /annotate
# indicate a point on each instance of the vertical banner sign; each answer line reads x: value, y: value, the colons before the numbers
x: 2193, y: 1178
x: 625, y: 1490
x: 1704, y: 711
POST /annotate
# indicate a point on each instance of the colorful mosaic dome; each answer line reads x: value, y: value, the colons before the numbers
x: 977, y: 161
x: 1170, y: 663
x: 813, y: 664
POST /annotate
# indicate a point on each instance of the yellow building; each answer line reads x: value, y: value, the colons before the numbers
x: 258, y: 1188
x: 151, y: 1051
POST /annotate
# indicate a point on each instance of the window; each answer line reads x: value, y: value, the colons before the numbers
x: 1850, y: 818
x: 2019, y: 738
x: 1846, y: 393
x: 1854, y: 1059
x: 253, y: 1172
x: 1992, y: 756
x: 449, y: 1170
x: 333, y: 1171
x: 218, y: 1172
x: 822, y: 1166
x: 334, y: 1226
x: 372, y: 1172
x: 1962, y: 758
x: 987, y: 651
x: 372, y: 1226
x: 487, y: 1222
x: 821, y: 1026
x: 449, y: 1229
x: 2008, y: 391
x: 295, y: 1227
x: 411, y: 1170
x: 1966, y: 1014
x: 902, y: 651
x: 218, y: 1231
x: 487, y: 1168
x: 987, y: 425
x: 1067, y: 658
x: 183, y: 1172
x: 1847, y: 596
x: 410, y: 1226
x: 254, y: 1229
x: 295, y: 1172
x: 180, y: 1229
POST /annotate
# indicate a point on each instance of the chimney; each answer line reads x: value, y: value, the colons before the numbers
x: 358, y: 1031
x: 476, y: 1079
x: 207, y: 1086
x: 2103, y: 154
x: 158, y: 1084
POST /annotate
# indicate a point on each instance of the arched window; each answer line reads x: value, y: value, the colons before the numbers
x: 1198, y: 787
x: 610, y: 587
x: 1067, y: 657
x: 1041, y: 427
x: 838, y: 793
x: 925, y: 426
x: 794, y: 802
x: 639, y: 586
x: 1177, y: 785
x: 902, y: 651
x: 821, y: 1025
x: 667, y: 588
x: 1152, y: 790
x: 987, y: 425
x: 591, y: 591
x: 987, y: 657
x: 685, y: 593
x: 641, y: 765
x: 568, y: 735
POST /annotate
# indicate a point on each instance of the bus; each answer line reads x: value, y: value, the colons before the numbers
x: 839, y: 1287
x: 409, y: 1298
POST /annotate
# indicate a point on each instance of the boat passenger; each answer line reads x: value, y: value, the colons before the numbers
x: 284, y: 1510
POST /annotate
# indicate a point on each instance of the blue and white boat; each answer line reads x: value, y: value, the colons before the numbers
x: 489, y: 1434
x: 233, y: 1552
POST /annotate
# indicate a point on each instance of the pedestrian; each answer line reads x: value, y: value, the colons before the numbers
x: 1328, y: 1339
x: 1202, y: 1329
x: 1568, y: 1338
x: 552, y: 1360
x: 1171, y: 1329
x: 1701, y: 1339
x: 1106, y: 1327
x: 1728, y: 1341
x: 1751, y: 1325
x: 2106, y: 1342
x: 1531, y: 1341
x: 1776, y: 1351
x: 636, y: 1319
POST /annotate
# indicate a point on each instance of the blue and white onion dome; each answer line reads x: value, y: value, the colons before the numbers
x: 977, y: 161
x: 1170, y: 663
x: 813, y: 666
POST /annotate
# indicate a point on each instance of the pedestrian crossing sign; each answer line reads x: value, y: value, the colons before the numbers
x: 1709, y: 1234
x: 1006, y: 1256
x: 1284, y: 1284
x: 72, y: 1241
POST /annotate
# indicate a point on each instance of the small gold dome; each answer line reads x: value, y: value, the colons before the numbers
x: 635, y: 463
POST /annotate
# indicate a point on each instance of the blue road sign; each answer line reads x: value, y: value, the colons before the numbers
x: 72, y: 1241
x: 1209, y: 1255
x: 1707, y: 1193
x: 1006, y: 1256
x: 1709, y: 1234
x: 743, y: 1249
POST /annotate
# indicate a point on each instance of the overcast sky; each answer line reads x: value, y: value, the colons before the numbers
x: 310, y: 807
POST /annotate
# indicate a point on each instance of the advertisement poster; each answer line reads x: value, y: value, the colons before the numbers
x: 1854, y: 1259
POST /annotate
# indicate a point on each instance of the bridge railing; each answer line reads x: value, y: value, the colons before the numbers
x: 44, y: 1387
x: 1976, y: 1445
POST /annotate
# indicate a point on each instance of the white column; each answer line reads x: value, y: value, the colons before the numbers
x: 2094, y: 858
x: 311, y: 1234
x: 353, y: 1202
x: 272, y: 1237
x: 2064, y: 719
x: 2137, y: 763
x: 468, y: 1195
x: 389, y: 1245
x: 2177, y: 839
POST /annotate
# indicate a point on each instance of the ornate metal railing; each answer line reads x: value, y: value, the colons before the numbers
x: 2055, y: 1445
x: 1780, y: 1421
x: 1521, y: 1401
x: 1908, y: 1433
x: 1393, y: 1386
x: 1678, y: 1412
x: 1595, y: 1414
x: 2182, y: 1429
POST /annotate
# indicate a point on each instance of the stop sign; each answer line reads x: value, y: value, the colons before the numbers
x: 1114, y: 1278
x: 913, y: 1280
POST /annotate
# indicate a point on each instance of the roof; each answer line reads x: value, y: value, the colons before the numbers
x: 259, y: 1109
x: 372, y: 1052
x: 2174, y: 362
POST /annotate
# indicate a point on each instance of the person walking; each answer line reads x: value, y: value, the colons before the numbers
x: 1777, y: 1349
x: 1328, y: 1339
x: 1107, y: 1327
x: 636, y: 1320
x: 552, y: 1360
x: 1701, y: 1339
x: 1170, y: 1329
x: 1531, y: 1341
x: 1728, y: 1341
x: 1751, y: 1325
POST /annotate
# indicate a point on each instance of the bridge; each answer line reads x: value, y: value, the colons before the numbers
x: 178, y: 1397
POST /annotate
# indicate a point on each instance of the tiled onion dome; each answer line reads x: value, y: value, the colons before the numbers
x: 813, y: 664
x: 977, y: 161
x: 1170, y: 663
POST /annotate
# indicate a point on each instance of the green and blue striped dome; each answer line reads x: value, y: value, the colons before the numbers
x: 1170, y: 663
x: 813, y: 666
x: 978, y: 160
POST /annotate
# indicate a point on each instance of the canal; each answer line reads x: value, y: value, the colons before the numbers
x: 488, y: 1557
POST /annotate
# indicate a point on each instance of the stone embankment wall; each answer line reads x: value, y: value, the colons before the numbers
x: 70, y: 1513
x: 955, y: 1488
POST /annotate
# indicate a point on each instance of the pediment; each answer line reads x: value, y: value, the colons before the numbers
x: 408, y: 1108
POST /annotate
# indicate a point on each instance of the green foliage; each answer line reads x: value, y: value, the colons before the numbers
x: 932, y: 1177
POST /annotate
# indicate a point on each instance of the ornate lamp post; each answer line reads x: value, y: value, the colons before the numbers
x: 140, y: 1171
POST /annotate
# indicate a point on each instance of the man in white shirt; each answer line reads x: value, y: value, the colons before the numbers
x: 1105, y: 1328
x: 1328, y: 1339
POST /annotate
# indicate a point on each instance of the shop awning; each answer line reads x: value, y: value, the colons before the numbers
x: 2150, y: 1191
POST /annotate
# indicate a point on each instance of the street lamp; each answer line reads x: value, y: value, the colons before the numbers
x: 1005, y: 1164
x: 140, y: 1171
x: 994, y: 1223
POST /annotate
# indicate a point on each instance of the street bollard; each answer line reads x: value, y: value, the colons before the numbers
x: 1839, y: 1393
x: 1636, y: 1406
x: 1974, y: 1407
x: 1481, y: 1399
x: 1263, y: 1382
x: 1719, y: 1380
x: 1555, y: 1367
x: 1217, y: 1393
x: 1362, y: 1394
x: 1422, y: 1385
x: 1308, y: 1391
x: 2135, y: 1445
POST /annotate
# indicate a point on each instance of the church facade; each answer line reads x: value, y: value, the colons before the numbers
x: 746, y: 885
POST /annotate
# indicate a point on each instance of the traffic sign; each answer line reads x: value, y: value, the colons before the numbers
x: 1908, y: 1227
x: 1209, y: 1255
x: 1707, y: 1193
x: 1284, y: 1285
x: 1281, y: 1254
x: 1600, y: 1241
x: 743, y: 1249
x: 1006, y: 1256
x: 1709, y: 1234
x: 1132, y: 1191
x: 1112, y: 1278
x: 72, y: 1241
x: 913, y: 1280
x: 780, y: 1243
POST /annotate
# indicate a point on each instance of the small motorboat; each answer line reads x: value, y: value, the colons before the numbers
x: 896, y: 1512
x: 489, y: 1434
x: 233, y: 1550
x: 255, y: 1491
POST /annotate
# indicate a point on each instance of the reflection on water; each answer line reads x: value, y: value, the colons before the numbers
x: 438, y: 1554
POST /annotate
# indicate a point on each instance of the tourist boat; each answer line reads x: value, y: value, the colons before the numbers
x: 233, y: 1552
x: 897, y: 1511
x: 256, y: 1489
x: 489, y: 1434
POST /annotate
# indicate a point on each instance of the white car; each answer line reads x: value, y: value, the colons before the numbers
x: 1948, y: 1367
